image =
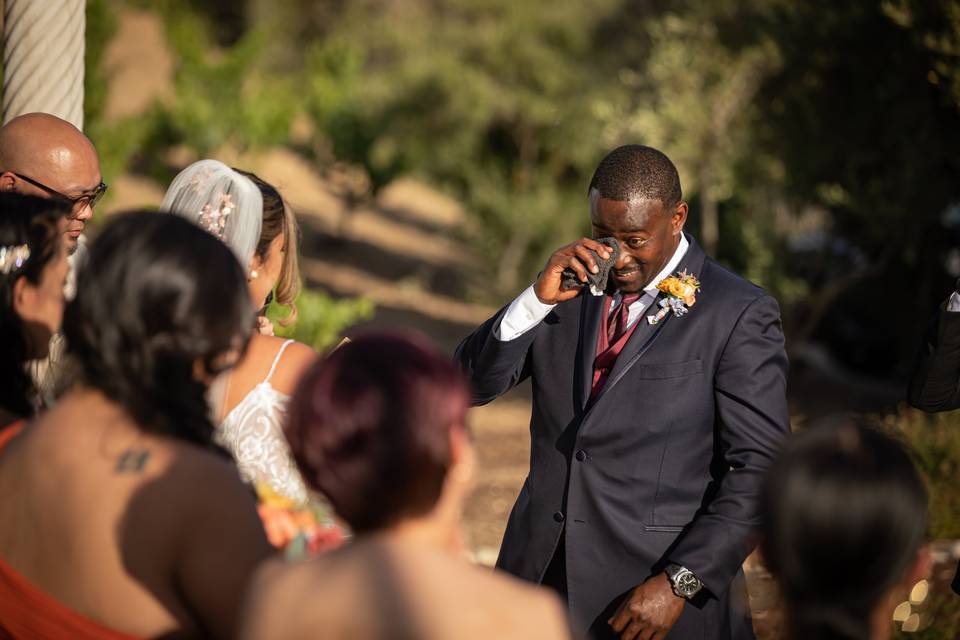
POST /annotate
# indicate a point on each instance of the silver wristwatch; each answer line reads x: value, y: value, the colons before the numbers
x: 685, y: 584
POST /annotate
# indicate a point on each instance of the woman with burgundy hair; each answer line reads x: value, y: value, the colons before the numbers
x: 379, y: 428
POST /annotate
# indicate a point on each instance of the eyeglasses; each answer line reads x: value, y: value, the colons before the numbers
x: 91, y: 198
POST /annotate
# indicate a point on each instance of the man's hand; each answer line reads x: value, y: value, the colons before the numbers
x: 574, y: 256
x: 649, y: 612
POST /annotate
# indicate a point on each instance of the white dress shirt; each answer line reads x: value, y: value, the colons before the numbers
x: 953, y: 304
x: 526, y: 311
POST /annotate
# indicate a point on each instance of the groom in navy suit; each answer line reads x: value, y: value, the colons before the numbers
x: 651, y: 428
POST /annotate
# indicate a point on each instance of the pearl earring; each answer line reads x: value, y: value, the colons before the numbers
x: 253, y: 274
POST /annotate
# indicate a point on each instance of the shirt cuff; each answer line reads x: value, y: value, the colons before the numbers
x: 953, y: 302
x: 523, y: 314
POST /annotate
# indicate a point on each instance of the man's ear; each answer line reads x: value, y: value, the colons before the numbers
x: 679, y: 217
x: 8, y: 182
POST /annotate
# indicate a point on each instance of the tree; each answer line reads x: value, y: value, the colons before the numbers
x: 490, y: 99
x: 692, y: 94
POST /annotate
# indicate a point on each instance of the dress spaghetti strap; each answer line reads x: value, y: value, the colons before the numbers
x: 276, y: 359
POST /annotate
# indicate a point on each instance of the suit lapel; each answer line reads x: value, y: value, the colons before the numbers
x: 646, y: 334
x: 591, y: 308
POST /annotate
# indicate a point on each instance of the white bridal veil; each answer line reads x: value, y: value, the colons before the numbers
x: 225, y: 203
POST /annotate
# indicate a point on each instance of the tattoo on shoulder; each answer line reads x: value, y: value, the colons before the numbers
x: 132, y: 461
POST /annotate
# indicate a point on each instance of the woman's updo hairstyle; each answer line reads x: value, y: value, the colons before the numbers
x: 370, y: 428
x: 34, y: 222
x: 162, y: 307
x: 845, y: 515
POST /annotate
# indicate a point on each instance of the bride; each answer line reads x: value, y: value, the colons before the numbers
x: 250, y: 401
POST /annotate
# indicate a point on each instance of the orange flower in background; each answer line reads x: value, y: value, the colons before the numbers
x: 297, y: 529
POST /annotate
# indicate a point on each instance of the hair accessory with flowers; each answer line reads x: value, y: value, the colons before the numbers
x: 200, y: 179
x: 681, y: 294
x: 215, y: 220
x: 13, y: 257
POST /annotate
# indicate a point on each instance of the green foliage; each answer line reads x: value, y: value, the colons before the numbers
x: 101, y: 24
x: 223, y: 96
x: 333, y: 71
x: 770, y: 108
x: 485, y: 98
x: 115, y: 144
x: 933, y: 441
x: 320, y: 318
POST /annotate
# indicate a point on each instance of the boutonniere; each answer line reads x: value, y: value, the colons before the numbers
x: 681, y: 294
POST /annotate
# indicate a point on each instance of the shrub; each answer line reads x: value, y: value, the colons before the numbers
x: 934, y: 443
x: 321, y: 319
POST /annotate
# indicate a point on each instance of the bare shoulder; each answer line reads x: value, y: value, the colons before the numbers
x: 225, y: 502
x: 276, y: 606
x: 536, y: 609
x: 194, y: 462
x: 221, y: 542
x: 266, y: 604
x: 296, y: 358
x: 503, y: 606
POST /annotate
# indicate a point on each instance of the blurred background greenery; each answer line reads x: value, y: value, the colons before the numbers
x: 817, y: 142
x: 818, y: 145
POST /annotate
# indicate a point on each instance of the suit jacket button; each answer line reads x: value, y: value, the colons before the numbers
x: 558, y: 516
x: 581, y: 455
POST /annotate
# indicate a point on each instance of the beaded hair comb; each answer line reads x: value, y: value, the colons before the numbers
x: 213, y: 219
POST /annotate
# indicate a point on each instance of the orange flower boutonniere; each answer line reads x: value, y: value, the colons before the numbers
x: 681, y: 294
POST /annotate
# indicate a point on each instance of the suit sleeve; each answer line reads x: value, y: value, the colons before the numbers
x: 752, y: 422
x: 492, y: 365
x: 935, y: 383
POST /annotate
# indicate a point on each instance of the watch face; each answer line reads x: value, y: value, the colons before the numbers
x: 687, y: 584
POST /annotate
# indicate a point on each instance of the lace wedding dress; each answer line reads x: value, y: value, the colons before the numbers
x: 252, y: 431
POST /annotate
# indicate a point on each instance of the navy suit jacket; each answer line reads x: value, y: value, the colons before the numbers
x: 665, y: 465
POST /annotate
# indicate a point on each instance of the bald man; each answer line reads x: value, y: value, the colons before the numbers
x: 42, y: 155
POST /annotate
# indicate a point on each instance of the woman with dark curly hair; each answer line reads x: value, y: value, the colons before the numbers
x: 33, y: 269
x: 120, y: 515
x: 845, y: 515
x: 379, y: 428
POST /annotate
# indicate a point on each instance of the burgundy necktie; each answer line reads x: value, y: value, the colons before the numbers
x: 617, y: 323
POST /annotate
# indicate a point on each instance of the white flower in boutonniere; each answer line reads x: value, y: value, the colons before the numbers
x: 681, y: 294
